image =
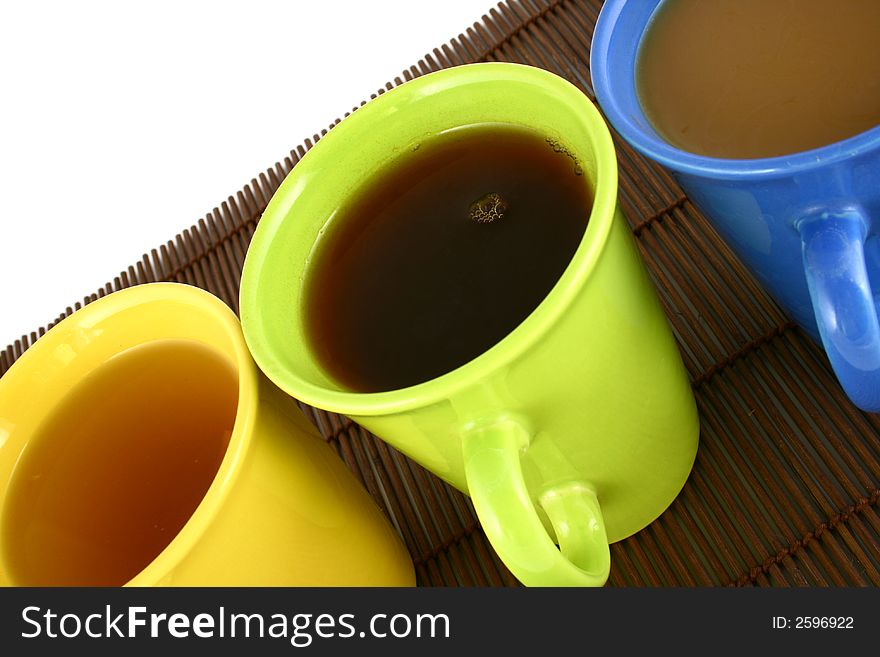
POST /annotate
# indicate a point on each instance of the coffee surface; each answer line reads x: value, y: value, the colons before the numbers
x: 442, y: 254
x: 760, y: 78
x: 117, y: 470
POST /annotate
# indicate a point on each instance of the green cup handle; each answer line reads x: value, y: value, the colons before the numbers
x: 504, y: 506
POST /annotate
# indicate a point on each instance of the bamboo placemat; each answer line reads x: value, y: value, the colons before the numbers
x: 785, y: 486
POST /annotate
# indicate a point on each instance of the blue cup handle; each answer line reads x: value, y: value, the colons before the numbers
x: 834, y: 262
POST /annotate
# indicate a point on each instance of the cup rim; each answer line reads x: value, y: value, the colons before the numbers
x: 506, y: 350
x: 246, y: 410
x: 654, y: 147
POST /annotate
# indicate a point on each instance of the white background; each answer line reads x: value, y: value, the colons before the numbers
x: 123, y: 123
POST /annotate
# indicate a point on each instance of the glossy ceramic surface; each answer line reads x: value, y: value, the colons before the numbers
x: 282, y: 509
x: 802, y: 222
x: 580, y: 426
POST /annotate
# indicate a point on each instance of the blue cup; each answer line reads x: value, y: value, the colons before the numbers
x: 801, y: 222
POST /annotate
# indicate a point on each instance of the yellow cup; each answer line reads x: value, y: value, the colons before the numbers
x: 282, y: 509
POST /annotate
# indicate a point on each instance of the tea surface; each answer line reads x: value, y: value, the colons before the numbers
x: 119, y: 468
x: 760, y: 78
x: 442, y: 254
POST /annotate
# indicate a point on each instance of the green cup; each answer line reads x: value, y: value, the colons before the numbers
x: 579, y: 427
